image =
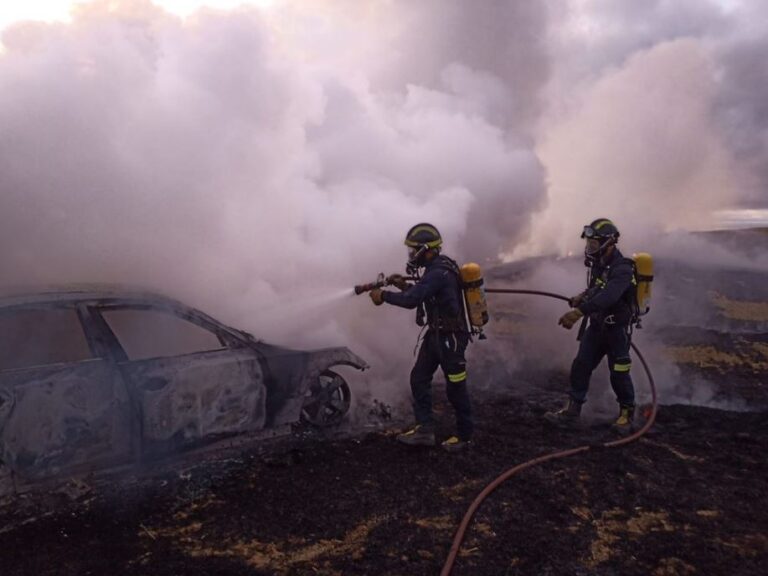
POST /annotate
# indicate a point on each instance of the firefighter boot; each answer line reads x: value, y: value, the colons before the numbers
x: 419, y: 435
x: 455, y: 444
x: 567, y: 417
x: 623, y: 424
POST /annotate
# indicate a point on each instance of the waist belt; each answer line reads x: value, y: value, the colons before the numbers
x: 610, y: 319
x: 448, y: 325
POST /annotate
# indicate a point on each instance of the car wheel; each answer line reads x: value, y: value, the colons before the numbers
x: 327, y: 400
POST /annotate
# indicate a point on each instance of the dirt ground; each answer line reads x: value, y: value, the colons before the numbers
x: 688, y: 498
x: 684, y: 499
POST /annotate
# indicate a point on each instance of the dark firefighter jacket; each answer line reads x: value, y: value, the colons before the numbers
x: 439, y: 292
x: 611, y: 290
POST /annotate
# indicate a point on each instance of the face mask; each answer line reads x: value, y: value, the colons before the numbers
x: 415, y: 258
x: 592, y: 255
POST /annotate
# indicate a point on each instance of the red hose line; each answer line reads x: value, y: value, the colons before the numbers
x: 517, y: 291
x: 461, y: 531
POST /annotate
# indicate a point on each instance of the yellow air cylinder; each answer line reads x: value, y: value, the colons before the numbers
x: 644, y: 267
x: 474, y: 294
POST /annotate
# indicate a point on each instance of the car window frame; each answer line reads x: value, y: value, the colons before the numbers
x: 97, y: 352
x: 119, y: 353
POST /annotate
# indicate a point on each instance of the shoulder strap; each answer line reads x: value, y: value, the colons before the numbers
x: 445, y: 263
x: 622, y: 261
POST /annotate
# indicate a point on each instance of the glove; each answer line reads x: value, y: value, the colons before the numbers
x: 570, y: 318
x: 574, y: 301
x: 398, y: 282
x: 377, y: 296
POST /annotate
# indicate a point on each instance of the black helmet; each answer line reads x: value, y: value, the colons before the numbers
x: 420, y: 239
x: 605, y: 232
x: 423, y: 235
x: 602, y: 229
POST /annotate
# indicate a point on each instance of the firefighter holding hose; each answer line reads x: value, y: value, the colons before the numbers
x: 608, y: 305
x: 437, y: 296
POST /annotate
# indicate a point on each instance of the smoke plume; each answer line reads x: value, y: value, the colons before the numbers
x: 655, y: 118
x: 257, y: 164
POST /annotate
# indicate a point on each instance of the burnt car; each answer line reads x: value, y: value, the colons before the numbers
x: 97, y: 379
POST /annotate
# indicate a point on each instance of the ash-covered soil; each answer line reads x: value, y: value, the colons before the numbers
x: 687, y: 498
x: 684, y: 499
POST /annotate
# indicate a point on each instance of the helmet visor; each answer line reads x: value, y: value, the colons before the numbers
x: 593, y: 247
x: 588, y: 232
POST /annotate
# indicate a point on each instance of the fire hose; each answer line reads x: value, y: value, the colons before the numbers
x: 460, y: 533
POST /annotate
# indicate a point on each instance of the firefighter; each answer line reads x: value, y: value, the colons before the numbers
x: 608, y: 305
x: 437, y: 296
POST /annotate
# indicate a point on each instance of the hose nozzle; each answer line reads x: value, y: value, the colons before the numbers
x: 381, y: 281
x: 360, y: 288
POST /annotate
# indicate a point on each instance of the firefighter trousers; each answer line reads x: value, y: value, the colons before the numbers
x: 598, y: 341
x: 446, y: 350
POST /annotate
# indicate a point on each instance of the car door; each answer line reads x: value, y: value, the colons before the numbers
x: 190, y: 384
x: 63, y: 407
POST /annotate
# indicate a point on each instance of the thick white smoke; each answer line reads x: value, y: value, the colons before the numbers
x: 647, y: 157
x: 656, y: 118
x: 258, y: 164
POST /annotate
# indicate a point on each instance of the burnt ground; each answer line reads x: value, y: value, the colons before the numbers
x: 687, y: 498
x: 684, y: 499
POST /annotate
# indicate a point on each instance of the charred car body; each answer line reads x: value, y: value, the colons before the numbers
x: 93, y: 380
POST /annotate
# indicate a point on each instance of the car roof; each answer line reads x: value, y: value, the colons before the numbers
x: 99, y: 294
x: 51, y: 298
x: 20, y: 299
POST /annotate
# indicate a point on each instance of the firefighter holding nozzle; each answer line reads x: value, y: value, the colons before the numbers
x: 437, y: 296
x: 608, y: 303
